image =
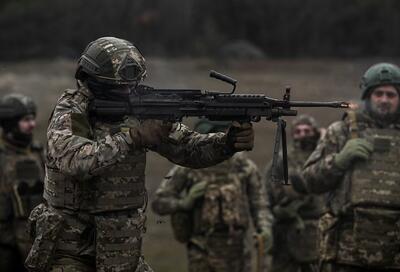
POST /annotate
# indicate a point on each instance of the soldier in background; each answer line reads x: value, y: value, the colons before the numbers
x: 21, y: 179
x: 93, y: 218
x: 357, y: 162
x: 296, y: 213
x: 211, y: 210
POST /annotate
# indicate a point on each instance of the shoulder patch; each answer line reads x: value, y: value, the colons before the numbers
x: 80, y: 125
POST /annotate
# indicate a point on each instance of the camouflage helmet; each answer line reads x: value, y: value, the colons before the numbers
x: 204, y: 126
x: 112, y: 61
x: 305, y: 119
x: 379, y: 74
x: 18, y: 105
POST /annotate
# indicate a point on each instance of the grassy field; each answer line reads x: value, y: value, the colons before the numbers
x: 309, y: 79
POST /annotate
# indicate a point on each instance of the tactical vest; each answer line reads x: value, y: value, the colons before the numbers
x: 120, y: 187
x: 370, y: 235
x: 22, y: 177
x: 376, y: 182
x: 225, y: 205
x: 107, y: 223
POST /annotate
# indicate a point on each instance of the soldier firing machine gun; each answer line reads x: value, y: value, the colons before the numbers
x: 174, y: 104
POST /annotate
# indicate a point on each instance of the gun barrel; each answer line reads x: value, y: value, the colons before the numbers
x: 333, y: 104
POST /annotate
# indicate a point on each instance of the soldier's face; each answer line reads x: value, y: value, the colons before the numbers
x: 303, y: 131
x: 27, y: 124
x: 384, y: 100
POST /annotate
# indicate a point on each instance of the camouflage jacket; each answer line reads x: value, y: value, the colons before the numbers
x: 321, y: 174
x: 362, y: 226
x: 251, y: 196
x: 81, y: 149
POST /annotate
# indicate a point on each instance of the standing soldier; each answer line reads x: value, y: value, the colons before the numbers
x: 93, y: 219
x: 21, y: 178
x: 296, y: 213
x: 357, y: 162
x: 211, y: 209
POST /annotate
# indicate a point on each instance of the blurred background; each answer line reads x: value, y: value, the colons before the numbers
x: 319, y: 48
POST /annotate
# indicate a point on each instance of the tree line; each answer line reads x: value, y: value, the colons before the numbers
x: 285, y: 28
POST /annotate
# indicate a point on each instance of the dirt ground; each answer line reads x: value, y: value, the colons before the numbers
x: 310, y: 80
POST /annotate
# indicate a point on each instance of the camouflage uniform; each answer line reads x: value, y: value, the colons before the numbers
x: 21, y: 187
x: 361, y: 229
x: 95, y: 192
x: 217, y: 225
x: 296, y: 218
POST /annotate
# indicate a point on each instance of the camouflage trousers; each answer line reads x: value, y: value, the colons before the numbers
x: 85, y: 242
x: 219, y: 253
x: 332, y: 267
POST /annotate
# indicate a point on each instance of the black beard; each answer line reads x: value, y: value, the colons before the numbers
x: 382, y: 120
x: 307, y: 143
x: 18, y: 138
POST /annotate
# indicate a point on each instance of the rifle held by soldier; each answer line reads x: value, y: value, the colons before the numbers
x: 174, y: 104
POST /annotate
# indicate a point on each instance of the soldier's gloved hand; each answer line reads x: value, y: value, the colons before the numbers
x: 150, y: 132
x: 196, y: 191
x: 267, y: 240
x: 240, y: 137
x: 298, y: 184
x: 284, y: 213
x: 354, y: 149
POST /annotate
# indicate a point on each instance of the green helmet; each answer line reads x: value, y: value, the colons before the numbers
x: 19, y: 104
x: 112, y: 61
x: 204, y: 126
x: 379, y: 74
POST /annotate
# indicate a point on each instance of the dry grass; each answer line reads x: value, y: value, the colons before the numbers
x: 310, y: 80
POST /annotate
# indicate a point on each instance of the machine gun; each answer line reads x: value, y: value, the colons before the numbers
x: 174, y: 104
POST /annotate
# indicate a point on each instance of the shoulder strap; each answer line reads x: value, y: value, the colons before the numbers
x: 353, y: 126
